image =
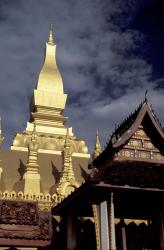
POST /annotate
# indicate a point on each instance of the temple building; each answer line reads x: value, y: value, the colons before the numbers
x: 55, y: 195
x: 120, y: 207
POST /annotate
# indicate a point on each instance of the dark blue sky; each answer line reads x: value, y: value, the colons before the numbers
x: 146, y: 17
x: 149, y: 19
x: 109, y: 52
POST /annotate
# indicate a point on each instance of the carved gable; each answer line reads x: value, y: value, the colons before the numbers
x: 140, y: 147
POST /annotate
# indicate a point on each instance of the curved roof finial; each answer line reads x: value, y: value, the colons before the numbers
x: 146, y: 92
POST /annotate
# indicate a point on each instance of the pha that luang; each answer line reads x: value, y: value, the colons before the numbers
x: 46, y: 161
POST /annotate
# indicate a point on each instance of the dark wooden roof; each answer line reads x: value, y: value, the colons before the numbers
x: 126, y: 199
x: 133, y: 174
x: 142, y: 115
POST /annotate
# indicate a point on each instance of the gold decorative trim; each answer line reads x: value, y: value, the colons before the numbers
x: 47, y: 151
x: 96, y: 214
x: 136, y: 221
x: 45, y: 201
x: 81, y: 155
x: 111, y: 223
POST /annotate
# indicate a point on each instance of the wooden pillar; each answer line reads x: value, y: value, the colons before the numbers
x: 104, y: 225
x: 112, y: 237
x: 123, y: 236
x: 161, y: 229
x: 104, y: 232
x: 71, y: 231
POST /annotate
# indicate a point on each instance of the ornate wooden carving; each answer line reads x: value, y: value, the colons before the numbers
x: 23, y: 220
x: 20, y: 213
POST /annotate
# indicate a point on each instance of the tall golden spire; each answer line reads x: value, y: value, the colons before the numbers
x: 46, y: 110
x: 67, y: 182
x: 49, y: 98
x: 97, y: 149
x: 50, y: 78
x: 32, y: 176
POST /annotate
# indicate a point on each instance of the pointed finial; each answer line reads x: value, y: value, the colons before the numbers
x: 67, y: 134
x: 33, y: 136
x: 51, y: 39
x: 1, y: 137
x: 34, y: 128
x: 97, y: 137
x: 111, y: 197
x: 97, y: 145
x: 67, y: 141
x: 97, y: 149
x: 0, y: 124
x: 146, y: 92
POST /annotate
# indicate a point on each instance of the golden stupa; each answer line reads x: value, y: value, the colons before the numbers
x: 47, y: 106
x: 40, y: 156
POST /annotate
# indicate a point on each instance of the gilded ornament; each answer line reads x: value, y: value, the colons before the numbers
x: 67, y: 182
x: 127, y: 153
x: 158, y: 157
x: 143, y: 155
x: 148, y: 145
x: 140, y: 132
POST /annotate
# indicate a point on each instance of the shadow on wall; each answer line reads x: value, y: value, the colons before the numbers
x: 56, y: 174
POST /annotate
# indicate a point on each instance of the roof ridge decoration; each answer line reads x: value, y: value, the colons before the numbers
x: 126, y: 123
x: 131, y: 123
